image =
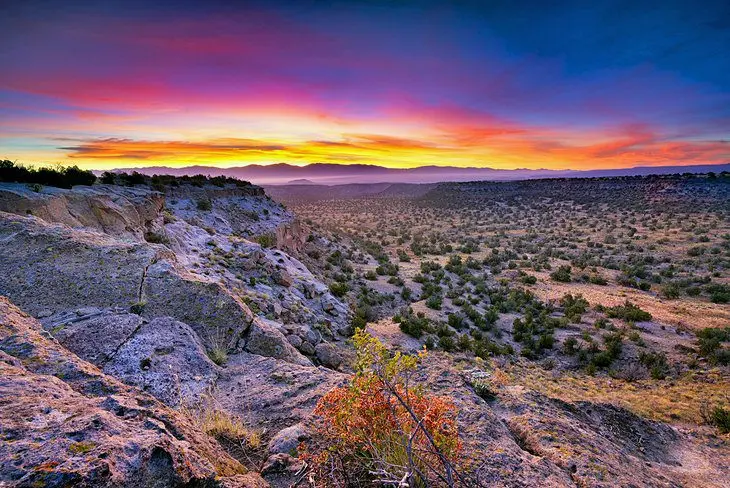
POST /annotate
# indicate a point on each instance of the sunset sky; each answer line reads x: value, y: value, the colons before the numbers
x: 544, y: 84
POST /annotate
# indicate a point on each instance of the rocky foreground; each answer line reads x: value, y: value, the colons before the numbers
x: 126, y: 308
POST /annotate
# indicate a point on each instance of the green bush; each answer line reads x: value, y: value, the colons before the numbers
x: 266, y: 240
x: 562, y: 274
x: 529, y: 279
x: 628, y: 312
x: 339, y: 289
x: 670, y: 291
x: 414, y: 324
x: 656, y: 362
x: 60, y: 177
x: 434, y: 302
x: 204, y: 204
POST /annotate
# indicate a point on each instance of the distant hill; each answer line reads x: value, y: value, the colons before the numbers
x: 301, y: 181
x: 336, y: 174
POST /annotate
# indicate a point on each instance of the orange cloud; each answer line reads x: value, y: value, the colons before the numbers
x: 506, y: 149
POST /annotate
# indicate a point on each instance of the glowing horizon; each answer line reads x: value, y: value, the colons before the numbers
x: 416, y: 84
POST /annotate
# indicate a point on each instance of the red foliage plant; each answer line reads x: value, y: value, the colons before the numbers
x: 381, y: 429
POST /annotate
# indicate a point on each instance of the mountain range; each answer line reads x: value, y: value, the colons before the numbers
x: 337, y: 174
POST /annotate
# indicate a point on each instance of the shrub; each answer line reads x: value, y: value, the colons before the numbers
x: 434, y: 302
x: 570, y: 346
x: 381, y: 428
x: 718, y: 416
x: 670, y: 291
x: 107, y: 178
x: 414, y: 325
x: 562, y: 274
x: 339, y: 289
x: 447, y: 343
x: 710, y: 344
x: 266, y: 240
x: 575, y: 306
x: 138, y: 308
x: 628, y: 312
x: 204, y: 204
x: 61, y: 177
x: 156, y: 238
x: 597, y: 280
x: 656, y: 362
x: 529, y: 279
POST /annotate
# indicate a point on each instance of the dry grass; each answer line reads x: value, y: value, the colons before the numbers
x: 677, y: 400
x: 693, y: 314
x: 224, y: 426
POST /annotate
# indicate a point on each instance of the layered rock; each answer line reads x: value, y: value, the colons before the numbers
x: 61, y: 269
x: 114, y: 210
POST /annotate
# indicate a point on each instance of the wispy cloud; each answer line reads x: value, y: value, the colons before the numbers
x: 475, y: 87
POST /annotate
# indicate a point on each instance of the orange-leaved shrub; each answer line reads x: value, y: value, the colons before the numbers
x: 383, y: 429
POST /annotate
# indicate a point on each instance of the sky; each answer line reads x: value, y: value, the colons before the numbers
x: 519, y: 84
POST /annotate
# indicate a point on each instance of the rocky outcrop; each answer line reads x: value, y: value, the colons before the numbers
x: 65, y: 423
x: 292, y: 236
x: 523, y: 438
x: 61, y: 269
x: 114, y: 210
x: 153, y: 314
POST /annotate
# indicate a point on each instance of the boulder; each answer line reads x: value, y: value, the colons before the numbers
x: 265, y: 340
x: 287, y: 440
x: 328, y: 355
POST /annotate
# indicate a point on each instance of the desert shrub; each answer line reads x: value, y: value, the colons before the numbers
x: 456, y: 321
x: 389, y: 269
x: 414, y: 324
x: 656, y: 363
x: 575, y: 306
x: 671, y: 291
x: 628, y: 312
x: 434, y: 302
x: 632, y: 371
x: 695, y: 251
x: 562, y: 274
x: 339, y: 289
x: 718, y: 416
x: 719, y: 293
x: 204, y: 205
x: 529, y: 279
x: 107, y: 178
x: 710, y: 342
x: 266, y: 240
x: 614, y: 344
x: 486, y: 385
x: 156, y: 238
x: 597, y: 280
x: 138, y: 308
x: 379, y: 429
x: 131, y: 179
x: 570, y: 346
x: 447, y: 343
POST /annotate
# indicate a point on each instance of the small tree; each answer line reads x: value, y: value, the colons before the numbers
x: 381, y: 429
